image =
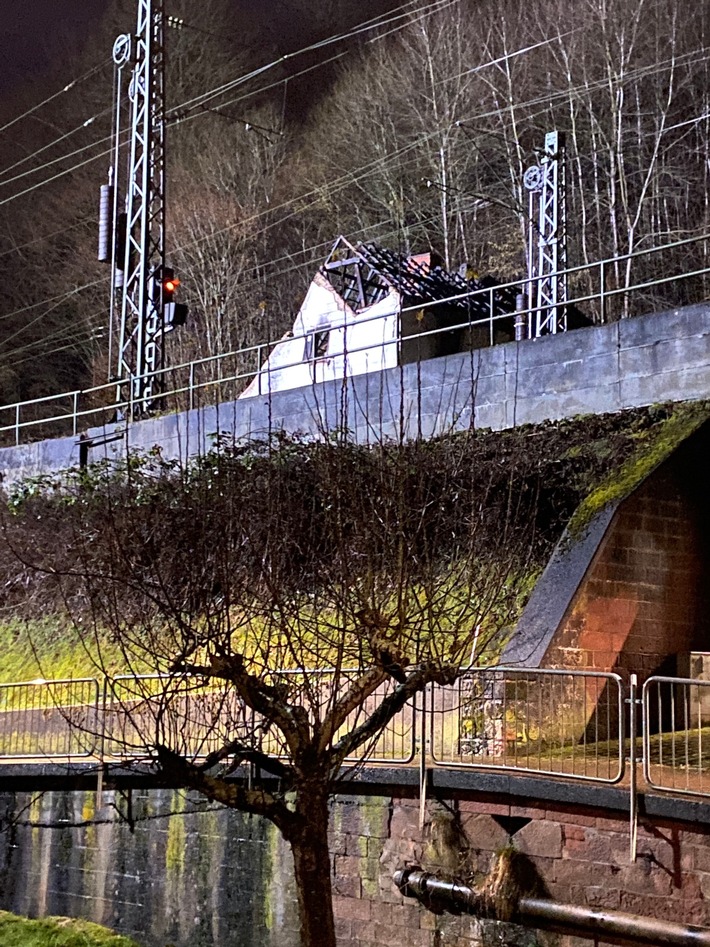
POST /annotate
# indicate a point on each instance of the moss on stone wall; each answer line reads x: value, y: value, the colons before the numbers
x: 653, y: 446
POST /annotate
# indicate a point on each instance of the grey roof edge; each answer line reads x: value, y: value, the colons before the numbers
x: 555, y: 591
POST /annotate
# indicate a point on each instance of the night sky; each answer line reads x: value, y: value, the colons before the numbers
x: 33, y: 34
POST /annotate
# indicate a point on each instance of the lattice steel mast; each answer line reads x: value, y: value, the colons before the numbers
x: 547, y: 240
x: 136, y: 246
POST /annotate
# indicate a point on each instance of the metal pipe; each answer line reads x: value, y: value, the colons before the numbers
x: 542, y: 912
x: 596, y: 922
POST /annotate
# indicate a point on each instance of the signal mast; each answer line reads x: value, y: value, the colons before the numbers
x: 547, y: 234
x: 132, y: 219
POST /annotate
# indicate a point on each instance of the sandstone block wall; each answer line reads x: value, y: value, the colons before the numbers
x: 643, y: 605
x: 215, y: 878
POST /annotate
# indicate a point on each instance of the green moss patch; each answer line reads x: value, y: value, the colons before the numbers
x: 57, y: 932
x: 654, y: 444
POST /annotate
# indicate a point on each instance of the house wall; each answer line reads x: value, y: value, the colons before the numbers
x: 366, y: 341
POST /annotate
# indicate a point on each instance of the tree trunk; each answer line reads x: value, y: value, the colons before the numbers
x: 311, y: 859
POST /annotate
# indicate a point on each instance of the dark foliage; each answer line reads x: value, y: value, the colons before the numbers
x: 300, y: 515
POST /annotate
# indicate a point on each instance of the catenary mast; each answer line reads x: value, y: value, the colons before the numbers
x: 143, y: 308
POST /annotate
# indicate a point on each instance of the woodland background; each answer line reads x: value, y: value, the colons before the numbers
x: 265, y: 171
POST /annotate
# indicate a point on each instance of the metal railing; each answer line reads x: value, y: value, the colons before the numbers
x: 49, y: 719
x: 557, y: 723
x: 196, y: 718
x: 554, y: 722
x: 676, y: 735
x: 610, y: 289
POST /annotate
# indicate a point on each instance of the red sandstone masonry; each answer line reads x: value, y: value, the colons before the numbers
x: 637, y: 604
x: 582, y: 858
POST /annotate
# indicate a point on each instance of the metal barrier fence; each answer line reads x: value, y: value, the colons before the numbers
x: 575, y: 725
x: 195, y: 718
x: 49, y: 719
x: 561, y: 723
x: 608, y: 289
x: 676, y: 735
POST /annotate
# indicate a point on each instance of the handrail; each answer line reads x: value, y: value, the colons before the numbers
x: 596, y: 271
x: 556, y: 723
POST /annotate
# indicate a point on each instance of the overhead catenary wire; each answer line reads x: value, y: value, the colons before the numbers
x: 399, y: 14
x: 65, y: 157
x: 176, y: 116
x: 342, y: 181
x: 184, y: 111
x: 55, y: 95
x: 47, y: 236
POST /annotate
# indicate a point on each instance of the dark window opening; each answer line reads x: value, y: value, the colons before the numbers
x: 318, y: 344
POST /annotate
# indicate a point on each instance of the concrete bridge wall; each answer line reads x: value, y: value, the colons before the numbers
x: 220, y: 879
x: 644, y: 360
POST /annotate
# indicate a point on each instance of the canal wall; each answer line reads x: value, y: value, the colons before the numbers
x: 185, y: 874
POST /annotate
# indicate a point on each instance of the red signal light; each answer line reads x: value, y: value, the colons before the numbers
x: 171, y: 284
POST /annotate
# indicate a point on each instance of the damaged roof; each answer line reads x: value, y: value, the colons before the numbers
x: 364, y: 273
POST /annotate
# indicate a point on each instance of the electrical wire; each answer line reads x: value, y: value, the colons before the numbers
x: 47, y: 236
x: 74, y: 340
x: 193, y: 103
x: 182, y: 113
x: 54, y: 96
x: 349, y: 178
x: 367, y: 26
x: 59, y: 298
x: 55, y: 177
x: 89, y: 121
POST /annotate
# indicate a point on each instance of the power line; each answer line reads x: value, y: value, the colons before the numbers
x: 54, y: 96
x: 59, y: 298
x: 373, y: 167
x: 198, y: 100
x: 367, y: 26
x: 89, y: 121
x: 47, y: 236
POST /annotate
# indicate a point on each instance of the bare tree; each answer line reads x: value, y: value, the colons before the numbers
x: 277, y: 606
x: 290, y: 601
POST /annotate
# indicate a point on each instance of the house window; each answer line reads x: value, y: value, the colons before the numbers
x: 318, y: 344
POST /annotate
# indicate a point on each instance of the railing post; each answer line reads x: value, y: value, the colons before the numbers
x: 633, y: 796
x: 17, y: 425
x: 191, y: 384
x: 490, y: 309
x: 102, y: 725
x: 423, y: 744
x: 602, y: 292
x: 75, y: 409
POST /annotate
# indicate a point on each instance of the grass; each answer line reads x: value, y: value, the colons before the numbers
x: 52, y: 649
x: 686, y: 747
x: 57, y: 932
